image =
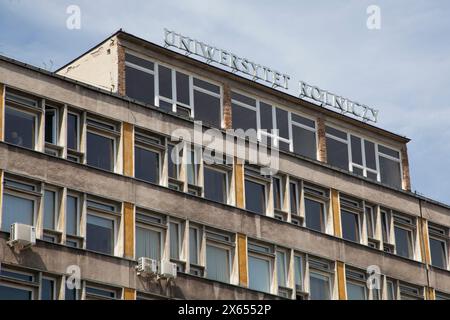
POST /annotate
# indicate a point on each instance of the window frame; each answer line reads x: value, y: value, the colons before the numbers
x: 35, y: 196
x: 111, y: 134
x: 226, y: 172
x: 269, y: 256
x: 151, y: 147
x: 227, y: 245
x: 114, y: 216
x: 440, y: 234
x: 260, y: 181
x: 410, y: 228
x: 322, y: 199
x: 35, y: 113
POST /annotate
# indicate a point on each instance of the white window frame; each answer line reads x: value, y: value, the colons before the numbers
x: 218, y: 244
x: 179, y: 225
x: 268, y: 256
x: 36, y: 114
x: 54, y: 286
x: 113, y: 216
x: 55, y: 110
x: 266, y: 185
x: 78, y: 117
x: 147, y: 226
x: 56, y: 204
x: 227, y: 178
x: 151, y: 148
x: 103, y: 132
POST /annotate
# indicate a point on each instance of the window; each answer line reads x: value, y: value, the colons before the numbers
x: 403, y: 231
x: 337, y: 147
x: 101, y: 227
x: 194, y: 245
x: 438, y: 246
x: 207, y: 102
x: 304, y: 136
x: 215, y: 184
x: 19, y: 203
x: 410, y: 292
x: 282, y: 274
x: 315, y: 217
x: 175, y: 240
x: 175, y: 155
x: 298, y: 273
x: 363, y: 158
x: 139, y: 79
x: 370, y: 224
x: 356, y: 285
x: 218, y: 256
x: 149, y: 235
x: 277, y: 193
x: 243, y: 112
x: 94, y: 292
x: 390, y: 171
x: 48, y: 289
x: 16, y: 285
x: 50, y: 209
x: 260, y: 266
x: 294, y: 197
x: 319, y: 279
x: 391, y: 290
x: 351, y: 211
x: 20, y: 127
x: 442, y: 296
x: 255, y: 196
x: 72, y: 220
x: 147, y: 161
x: 192, y: 166
x: 71, y: 294
x: 101, y: 144
x: 51, y: 124
x: 73, y: 131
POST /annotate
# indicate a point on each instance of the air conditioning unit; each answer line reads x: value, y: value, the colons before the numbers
x: 147, y: 266
x: 167, y: 269
x: 22, y: 235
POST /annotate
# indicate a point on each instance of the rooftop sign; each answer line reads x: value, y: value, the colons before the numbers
x: 266, y: 74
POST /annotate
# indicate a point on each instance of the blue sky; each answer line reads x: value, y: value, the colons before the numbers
x: 403, y: 69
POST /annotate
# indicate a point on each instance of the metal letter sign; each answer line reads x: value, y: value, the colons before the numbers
x: 226, y: 58
x: 259, y: 72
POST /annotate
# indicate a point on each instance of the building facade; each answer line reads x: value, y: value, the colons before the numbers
x: 85, y: 158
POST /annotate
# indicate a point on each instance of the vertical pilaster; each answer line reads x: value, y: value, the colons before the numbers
x: 128, y: 152
x: 405, y: 169
x: 424, y: 240
x: 227, y: 115
x: 340, y: 270
x: 336, y: 212
x: 239, y: 183
x: 242, y: 257
x: 322, y: 141
x: 121, y: 89
x: 430, y: 294
x: 129, y: 294
x: 2, y: 111
x: 128, y: 216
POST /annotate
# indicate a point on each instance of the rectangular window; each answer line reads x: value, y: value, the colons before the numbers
x: 356, y: 285
x: 148, y: 243
x: 51, y: 125
x: 369, y: 212
x: 277, y: 193
x: 218, y: 256
x: 337, y: 148
x: 243, y: 112
x: 304, y: 136
x: 101, y: 227
x: 391, y: 291
x: 294, y: 197
x: 101, y: 145
x: 139, y: 79
x: 71, y: 294
x: 12, y: 291
x: 175, y: 154
x: 314, y: 215
x: 319, y: 280
x: 438, y: 246
x: 350, y: 225
x: 260, y: 266
x: 18, y: 206
x: 194, y: 245
x: 149, y: 235
x: 50, y: 209
x: 390, y: 171
x: 20, y: 127
x: 319, y: 286
x: 298, y: 273
x: 48, y: 289
x: 72, y: 215
x: 282, y: 269
x: 175, y: 240
x: 403, y: 231
x: 255, y: 196
x: 73, y: 131
x: 207, y: 102
x: 192, y: 166
x: 410, y: 292
x: 99, y: 293
x: 215, y: 184
x: 147, y: 161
